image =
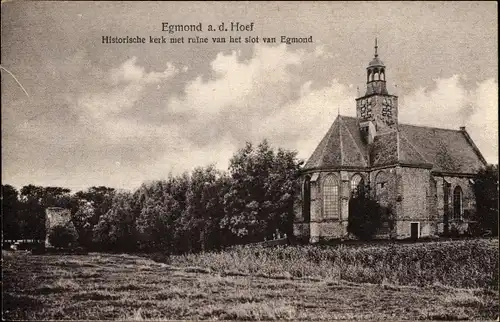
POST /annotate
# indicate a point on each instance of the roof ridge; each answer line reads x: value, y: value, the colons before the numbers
x: 429, y: 127
x: 340, y: 140
x: 328, y: 136
x: 473, y: 145
x: 413, y: 146
x: 356, y: 144
x: 409, y: 124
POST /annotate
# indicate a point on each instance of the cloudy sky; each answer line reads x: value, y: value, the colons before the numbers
x: 121, y: 114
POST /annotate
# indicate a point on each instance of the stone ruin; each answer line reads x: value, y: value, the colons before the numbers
x: 55, y: 216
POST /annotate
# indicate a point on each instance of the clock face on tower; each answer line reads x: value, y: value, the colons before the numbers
x: 379, y: 108
x: 388, y: 110
x: 366, y: 108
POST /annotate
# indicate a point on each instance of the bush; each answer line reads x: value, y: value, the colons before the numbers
x: 365, y: 218
x: 486, y: 192
x: 63, y: 236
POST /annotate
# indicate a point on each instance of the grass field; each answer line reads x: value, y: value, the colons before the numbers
x: 221, y: 286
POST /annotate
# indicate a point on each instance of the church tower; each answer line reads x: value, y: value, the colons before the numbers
x: 377, y: 110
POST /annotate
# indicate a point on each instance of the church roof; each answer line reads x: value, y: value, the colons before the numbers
x: 442, y: 149
x: 448, y: 150
x: 341, y: 146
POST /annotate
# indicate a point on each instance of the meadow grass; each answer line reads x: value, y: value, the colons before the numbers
x: 285, y: 283
x: 462, y: 264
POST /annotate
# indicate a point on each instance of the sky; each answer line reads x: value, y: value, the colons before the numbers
x: 122, y: 114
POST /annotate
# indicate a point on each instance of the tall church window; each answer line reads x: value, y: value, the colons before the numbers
x: 306, y: 205
x: 380, y: 183
x: 331, y: 197
x: 357, y: 186
x: 457, y: 203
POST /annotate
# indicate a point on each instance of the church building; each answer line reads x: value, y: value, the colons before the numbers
x: 422, y: 175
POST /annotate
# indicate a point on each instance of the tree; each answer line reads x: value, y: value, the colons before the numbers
x: 87, y: 207
x: 365, y: 217
x: 486, y: 192
x: 83, y: 221
x: 10, y: 213
x: 100, y: 198
x: 63, y: 235
x: 261, y: 196
x: 159, y: 207
x: 47, y: 196
x: 34, y: 200
x: 200, y: 223
x: 153, y: 226
x: 116, y: 229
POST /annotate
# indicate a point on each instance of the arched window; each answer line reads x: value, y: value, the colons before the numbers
x: 357, y: 186
x: 380, y: 183
x: 457, y: 203
x: 331, y: 197
x: 306, y: 205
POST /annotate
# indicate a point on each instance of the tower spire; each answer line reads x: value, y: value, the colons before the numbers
x: 376, y: 47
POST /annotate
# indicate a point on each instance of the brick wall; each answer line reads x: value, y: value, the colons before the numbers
x: 468, y: 202
x: 416, y: 192
x: 418, y: 203
x: 320, y: 226
x: 413, y: 194
x: 386, y: 197
x: 55, y: 216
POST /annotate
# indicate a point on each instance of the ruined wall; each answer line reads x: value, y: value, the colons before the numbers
x: 55, y: 216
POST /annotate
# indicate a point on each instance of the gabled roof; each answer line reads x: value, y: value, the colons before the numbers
x: 442, y: 149
x: 384, y: 149
x: 447, y: 150
x: 339, y: 147
x: 408, y: 153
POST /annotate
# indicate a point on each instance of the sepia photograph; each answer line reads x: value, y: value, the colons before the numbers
x: 249, y: 160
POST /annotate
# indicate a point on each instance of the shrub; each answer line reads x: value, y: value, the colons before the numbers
x: 63, y: 236
x: 365, y: 218
x: 486, y: 192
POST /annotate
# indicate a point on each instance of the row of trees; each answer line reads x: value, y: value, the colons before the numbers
x: 201, y: 210
x: 23, y: 212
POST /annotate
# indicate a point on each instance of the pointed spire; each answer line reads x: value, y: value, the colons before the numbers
x: 339, y: 118
x: 376, y: 47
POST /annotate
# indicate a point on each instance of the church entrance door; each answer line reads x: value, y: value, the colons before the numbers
x: 414, y: 230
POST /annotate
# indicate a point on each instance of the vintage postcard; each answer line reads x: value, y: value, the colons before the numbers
x: 249, y: 160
